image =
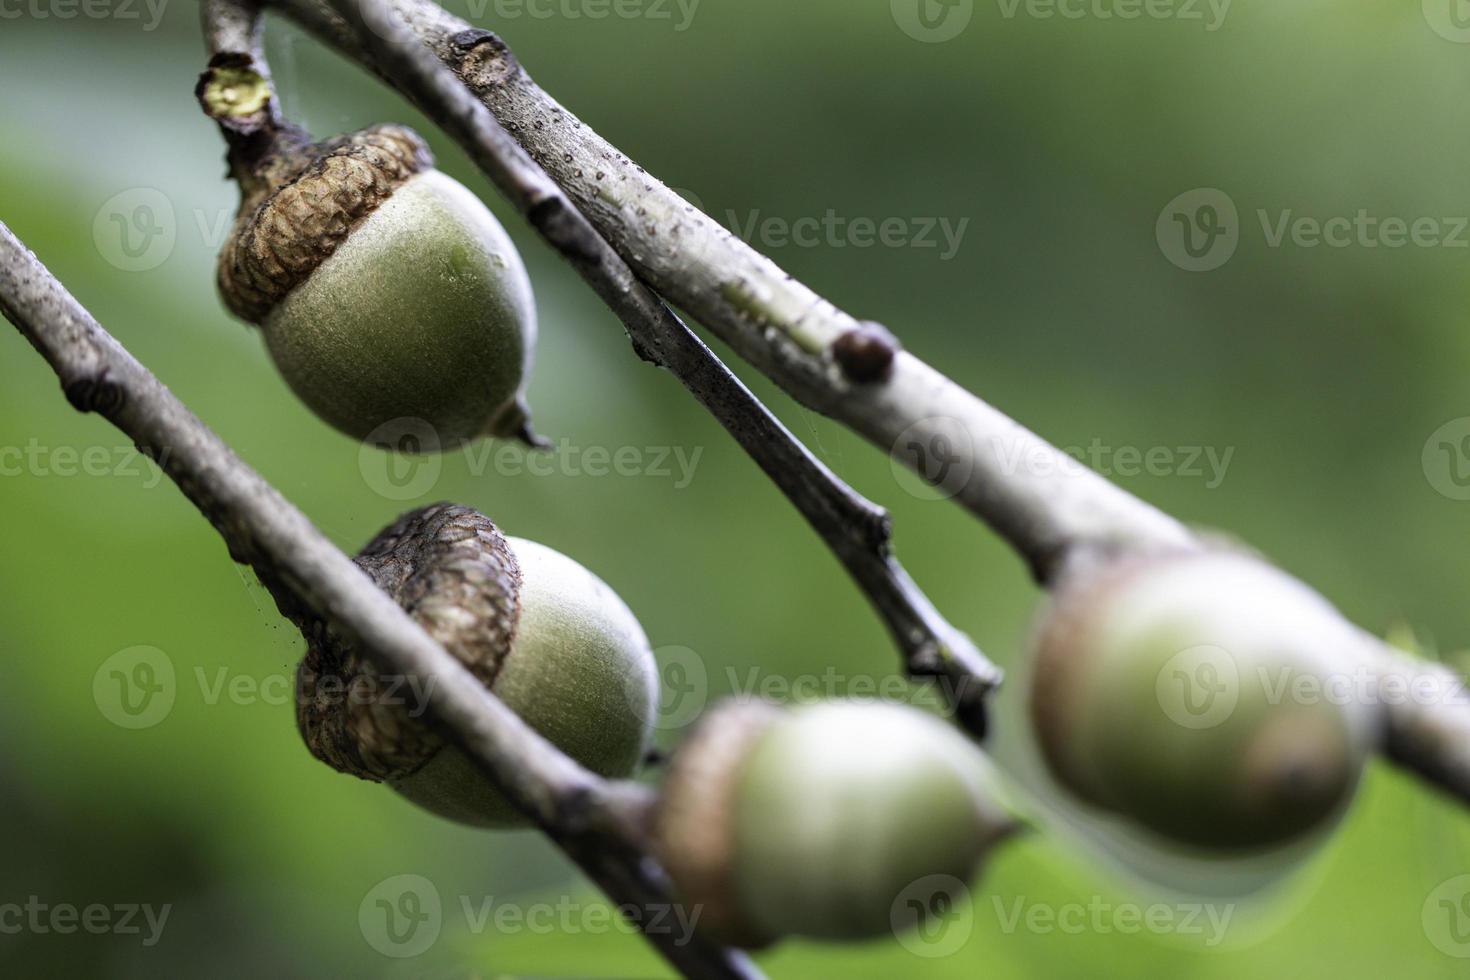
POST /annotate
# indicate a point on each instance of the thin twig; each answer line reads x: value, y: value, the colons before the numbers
x: 309, y: 577
x: 1040, y: 500
x: 857, y: 531
x: 1055, y: 513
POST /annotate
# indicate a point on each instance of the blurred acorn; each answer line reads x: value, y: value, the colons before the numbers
x: 1206, y: 696
x: 822, y: 820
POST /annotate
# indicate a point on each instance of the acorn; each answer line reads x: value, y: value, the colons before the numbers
x: 544, y: 634
x: 832, y: 821
x: 1200, y: 695
x: 388, y: 295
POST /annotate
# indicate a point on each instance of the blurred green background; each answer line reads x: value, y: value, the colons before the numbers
x: 1326, y: 370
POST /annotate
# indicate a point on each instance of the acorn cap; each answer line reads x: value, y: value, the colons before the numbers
x: 453, y: 571
x: 301, y: 201
x: 1062, y: 676
x: 695, y: 821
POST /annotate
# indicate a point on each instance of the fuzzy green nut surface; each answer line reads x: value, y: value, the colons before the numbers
x: 579, y: 671
x: 391, y: 300
x: 1206, y: 697
x: 548, y: 637
x: 833, y: 821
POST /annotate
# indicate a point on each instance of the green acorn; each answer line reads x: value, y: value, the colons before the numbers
x: 545, y: 635
x: 1202, y: 695
x: 388, y: 294
x: 834, y: 821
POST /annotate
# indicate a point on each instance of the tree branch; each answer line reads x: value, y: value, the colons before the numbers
x: 1037, y: 498
x: 1055, y: 513
x: 857, y: 531
x: 594, y: 821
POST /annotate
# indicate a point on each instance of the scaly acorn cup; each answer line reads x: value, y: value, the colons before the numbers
x: 833, y: 821
x: 388, y: 295
x: 548, y: 637
x: 1196, y: 694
